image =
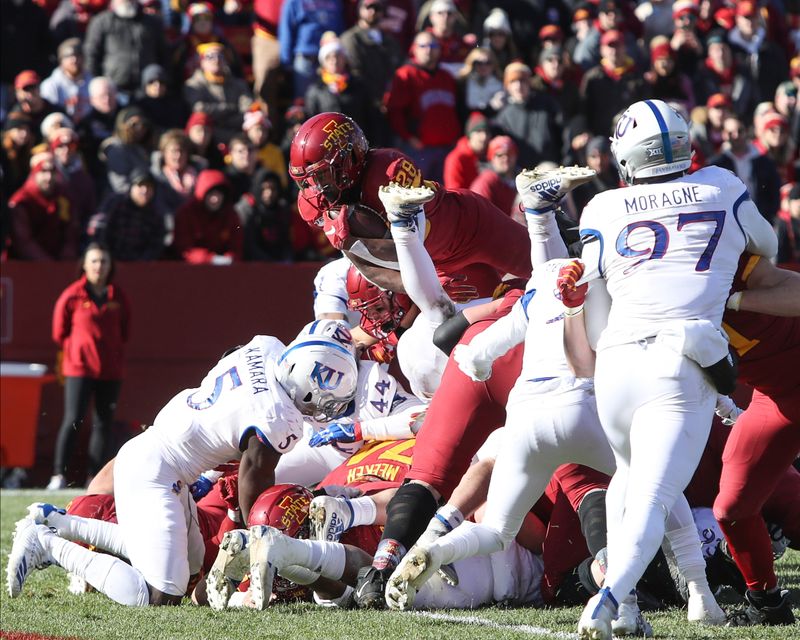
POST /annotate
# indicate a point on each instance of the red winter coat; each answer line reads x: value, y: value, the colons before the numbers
x: 461, y: 166
x: 201, y: 234
x: 422, y: 103
x: 91, y: 337
x: 502, y: 193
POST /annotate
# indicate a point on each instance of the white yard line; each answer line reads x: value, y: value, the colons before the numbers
x: 486, y: 622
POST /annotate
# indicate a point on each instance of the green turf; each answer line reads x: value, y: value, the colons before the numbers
x: 46, y: 608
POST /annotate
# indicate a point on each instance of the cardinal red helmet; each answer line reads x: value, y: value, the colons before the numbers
x: 326, y: 158
x: 285, y: 507
x: 381, y: 311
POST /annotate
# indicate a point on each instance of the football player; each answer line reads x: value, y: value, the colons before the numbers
x: 334, y: 168
x: 667, y: 247
x: 250, y: 405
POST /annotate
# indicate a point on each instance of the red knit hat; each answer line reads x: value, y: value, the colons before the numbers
x: 501, y: 144
x: 198, y: 117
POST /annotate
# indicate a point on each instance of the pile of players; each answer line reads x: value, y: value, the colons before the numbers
x: 584, y: 388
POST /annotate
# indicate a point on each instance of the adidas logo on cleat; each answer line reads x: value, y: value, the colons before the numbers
x: 335, y: 528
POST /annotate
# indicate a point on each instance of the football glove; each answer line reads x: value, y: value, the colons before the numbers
x: 337, y: 433
x: 200, y: 487
x: 572, y: 295
x: 472, y: 366
x: 458, y: 290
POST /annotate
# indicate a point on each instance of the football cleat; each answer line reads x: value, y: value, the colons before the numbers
x: 57, y: 482
x: 595, y: 621
x: 48, y: 514
x: 754, y: 614
x: 27, y: 554
x: 371, y: 587
x: 414, y: 570
x: 541, y: 191
x: 402, y: 204
x: 703, y: 608
x: 630, y: 621
x: 229, y: 569
x: 269, y: 551
x: 329, y: 518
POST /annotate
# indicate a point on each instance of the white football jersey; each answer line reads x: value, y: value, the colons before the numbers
x: 669, y: 251
x: 204, y: 427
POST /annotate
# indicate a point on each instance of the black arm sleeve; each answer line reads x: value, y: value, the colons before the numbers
x: 448, y: 333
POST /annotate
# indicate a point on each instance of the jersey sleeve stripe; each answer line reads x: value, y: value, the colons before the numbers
x: 752, y: 261
x: 525, y: 301
x: 736, y: 205
x: 590, y: 235
x: 664, y: 131
x: 252, y: 429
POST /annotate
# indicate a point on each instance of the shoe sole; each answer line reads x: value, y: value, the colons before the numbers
x: 218, y: 586
x: 17, y: 557
x: 262, y: 574
x: 316, y: 520
x: 403, y: 197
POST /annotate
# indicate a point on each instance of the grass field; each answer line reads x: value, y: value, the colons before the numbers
x: 47, y: 609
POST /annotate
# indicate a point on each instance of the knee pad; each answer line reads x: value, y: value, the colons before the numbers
x: 408, y: 513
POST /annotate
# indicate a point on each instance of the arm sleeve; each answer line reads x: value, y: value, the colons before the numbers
x: 62, y: 319
x: 401, y: 425
x: 759, y: 234
x: 546, y: 241
x: 500, y: 337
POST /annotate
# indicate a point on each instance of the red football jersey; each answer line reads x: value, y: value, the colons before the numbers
x: 768, y: 346
x: 378, y: 465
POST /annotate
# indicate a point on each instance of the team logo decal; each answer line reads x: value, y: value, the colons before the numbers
x: 326, y: 378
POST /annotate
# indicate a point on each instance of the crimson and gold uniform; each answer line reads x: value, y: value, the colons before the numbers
x: 766, y: 438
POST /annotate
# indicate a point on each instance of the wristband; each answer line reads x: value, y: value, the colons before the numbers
x: 734, y: 301
x: 570, y: 312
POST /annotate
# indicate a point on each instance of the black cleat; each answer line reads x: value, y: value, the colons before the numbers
x: 753, y: 614
x: 371, y: 587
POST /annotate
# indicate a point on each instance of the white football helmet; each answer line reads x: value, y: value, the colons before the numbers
x: 337, y: 330
x: 319, y: 375
x: 651, y: 139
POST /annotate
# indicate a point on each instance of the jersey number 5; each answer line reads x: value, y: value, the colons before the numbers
x: 216, y: 392
x: 661, y: 238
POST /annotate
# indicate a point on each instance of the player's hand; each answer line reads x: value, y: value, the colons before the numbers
x: 337, y: 433
x: 336, y: 226
x: 229, y: 490
x: 458, y: 290
x: 472, y: 366
x: 200, y: 487
x: 572, y: 295
x: 382, y: 352
x: 727, y: 410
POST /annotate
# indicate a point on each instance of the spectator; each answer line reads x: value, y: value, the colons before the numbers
x: 132, y: 224
x: 301, y: 26
x: 550, y: 37
x: 200, y: 129
x: 717, y: 74
x: 335, y: 89
x: 29, y: 100
x: 213, y: 90
x: 121, y: 42
x: 453, y: 47
x: 611, y: 86
x: 685, y: 43
x: 762, y: 60
x: 757, y: 171
x: 207, y: 227
x: 44, y: 224
x: 582, y: 23
x: 293, y: 118
x: 71, y: 18
x: 161, y: 107
x: 257, y: 128
x: 772, y: 139
x: 531, y: 118
x: 550, y: 78
x: 68, y: 85
x: 16, y: 154
x: 266, y: 50
x: 787, y: 226
x: 786, y: 104
x: 91, y: 324
x: 498, y: 39
x: 266, y: 218
x: 706, y: 125
x: 373, y: 56
x: 52, y: 123
x: 496, y: 182
x: 664, y: 80
x: 657, y: 17
x: 421, y: 106
x: 74, y: 175
x: 479, y: 81
x: 175, y: 170
x: 598, y: 157
x: 241, y: 166
x: 610, y: 18
x: 127, y: 149
x: 98, y: 125
x: 400, y: 20
x: 462, y: 164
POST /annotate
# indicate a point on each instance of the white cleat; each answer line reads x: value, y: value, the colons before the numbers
x: 630, y: 621
x: 27, y: 554
x: 228, y: 570
x: 595, y: 621
x: 703, y: 609
x: 414, y: 570
x: 329, y: 518
x: 48, y: 515
x: 402, y: 204
x: 543, y: 190
x: 269, y: 551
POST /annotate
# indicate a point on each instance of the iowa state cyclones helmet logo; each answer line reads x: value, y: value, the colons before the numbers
x: 326, y: 378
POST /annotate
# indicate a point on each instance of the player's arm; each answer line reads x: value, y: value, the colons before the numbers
x: 256, y: 471
x: 770, y: 290
x: 761, y: 237
x: 579, y: 353
x: 546, y: 241
x: 449, y: 333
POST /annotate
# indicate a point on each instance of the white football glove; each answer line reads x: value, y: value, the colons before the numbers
x: 727, y: 410
x: 471, y: 364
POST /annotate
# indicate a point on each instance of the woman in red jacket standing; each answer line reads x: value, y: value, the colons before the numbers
x: 90, y: 323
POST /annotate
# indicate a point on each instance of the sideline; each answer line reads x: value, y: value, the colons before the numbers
x: 486, y: 622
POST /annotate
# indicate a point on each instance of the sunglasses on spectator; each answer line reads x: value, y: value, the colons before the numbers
x: 375, y: 6
x: 445, y: 12
x: 428, y: 45
x: 482, y: 62
x: 30, y: 87
x: 213, y: 56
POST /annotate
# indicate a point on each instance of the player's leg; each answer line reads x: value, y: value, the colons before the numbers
x: 106, y: 536
x: 763, y: 443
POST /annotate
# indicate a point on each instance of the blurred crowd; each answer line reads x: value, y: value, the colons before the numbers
x: 161, y: 128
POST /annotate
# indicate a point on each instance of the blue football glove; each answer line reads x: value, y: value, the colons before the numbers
x: 200, y: 487
x: 337, y: 433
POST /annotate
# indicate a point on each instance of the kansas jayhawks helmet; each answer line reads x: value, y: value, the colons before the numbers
x: 651, y: 139
x: 319, y: 375
x: 381, y: 310
x: 337, y: 330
